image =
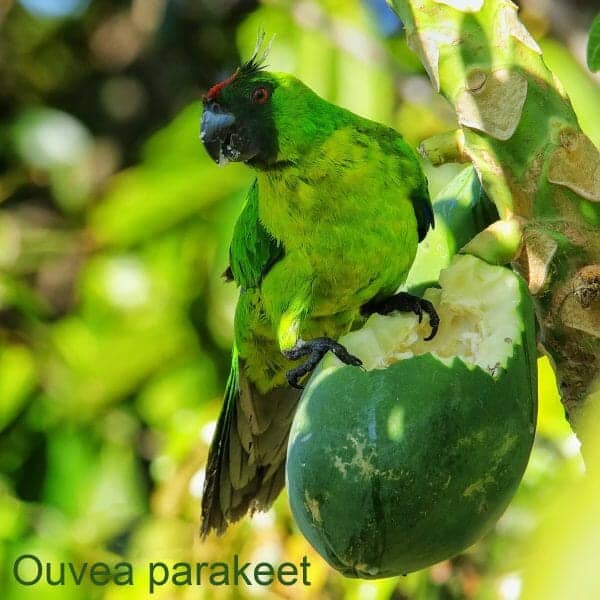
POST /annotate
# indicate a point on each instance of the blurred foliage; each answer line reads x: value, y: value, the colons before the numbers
x: 115, y: 325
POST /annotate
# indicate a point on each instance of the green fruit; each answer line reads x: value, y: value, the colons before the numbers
x: 408, y: 462
x: 461, y: 210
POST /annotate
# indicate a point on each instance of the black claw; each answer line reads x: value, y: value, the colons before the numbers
x: 434, y: 330
x: 345, y: 356
x: 405, y: 303
x: 315, y: 350
x: 434, y: 319
x: 292, y: 379
x: 354, y: 361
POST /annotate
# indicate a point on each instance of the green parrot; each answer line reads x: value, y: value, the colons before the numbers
x: 328, y: 233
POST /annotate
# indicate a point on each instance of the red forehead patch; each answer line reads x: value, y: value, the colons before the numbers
x: 214, y: 91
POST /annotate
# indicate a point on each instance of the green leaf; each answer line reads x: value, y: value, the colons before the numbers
x: 593, y: 49
x: 17, y: 380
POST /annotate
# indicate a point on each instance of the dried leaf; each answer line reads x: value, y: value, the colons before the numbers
x: 429, y: 54
x: 493, y: 102
x: 575, y: 163
x: 426, y: 43
x: 540, y: 249
x: 510, y: 24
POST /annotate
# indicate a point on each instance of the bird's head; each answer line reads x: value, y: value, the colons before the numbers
x: 248, y: 116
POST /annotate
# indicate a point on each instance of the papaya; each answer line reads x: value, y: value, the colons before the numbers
x: 409, y: 460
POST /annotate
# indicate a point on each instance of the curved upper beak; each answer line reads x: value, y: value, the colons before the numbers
x: 215, y: 129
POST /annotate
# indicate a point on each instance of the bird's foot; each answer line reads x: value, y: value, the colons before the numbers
x: 404, y: 302
x: 315, y: 350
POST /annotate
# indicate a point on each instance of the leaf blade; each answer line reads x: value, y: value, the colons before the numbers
x: 593, y: 48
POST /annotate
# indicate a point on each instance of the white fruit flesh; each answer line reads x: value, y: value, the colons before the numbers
x: 479, y: 322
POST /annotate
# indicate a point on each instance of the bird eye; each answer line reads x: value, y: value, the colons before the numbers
x: 260, y: 95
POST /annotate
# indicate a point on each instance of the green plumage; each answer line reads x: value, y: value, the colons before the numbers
x: 253, y: 250
x: 332, y: 222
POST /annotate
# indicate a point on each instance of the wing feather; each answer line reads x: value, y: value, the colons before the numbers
x: 246, y: 472
x: 253, y: 251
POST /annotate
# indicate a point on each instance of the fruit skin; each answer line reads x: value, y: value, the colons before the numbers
x: 392, y: 470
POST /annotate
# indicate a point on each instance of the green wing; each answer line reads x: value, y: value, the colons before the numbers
x: 246, y: 462
x: 253, y: 250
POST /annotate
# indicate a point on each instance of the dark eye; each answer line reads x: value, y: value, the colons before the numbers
x: 260, y: 95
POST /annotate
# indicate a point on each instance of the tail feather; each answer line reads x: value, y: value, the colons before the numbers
x: 212, y: 518
x: 270, y: 489
x: 269, y: 445
x: 241, y: 473
x: 243, y: 430
x: 258, y: 413
x: 246, y: 462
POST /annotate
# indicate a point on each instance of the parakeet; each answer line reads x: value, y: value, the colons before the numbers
x: 328, y: 233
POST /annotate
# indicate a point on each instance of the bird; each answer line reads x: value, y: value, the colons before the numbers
x: 326, y: 237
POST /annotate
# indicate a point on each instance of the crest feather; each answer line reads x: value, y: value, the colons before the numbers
x: 257, y: 62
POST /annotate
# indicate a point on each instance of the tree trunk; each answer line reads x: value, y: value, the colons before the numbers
x: 542, y: 172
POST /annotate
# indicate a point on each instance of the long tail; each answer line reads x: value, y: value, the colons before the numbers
x: 246, y: 462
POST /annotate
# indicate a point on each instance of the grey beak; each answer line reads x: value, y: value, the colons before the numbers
x: 215, y: 128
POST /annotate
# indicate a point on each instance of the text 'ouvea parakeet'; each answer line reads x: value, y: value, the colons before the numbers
x: 328, y: 233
